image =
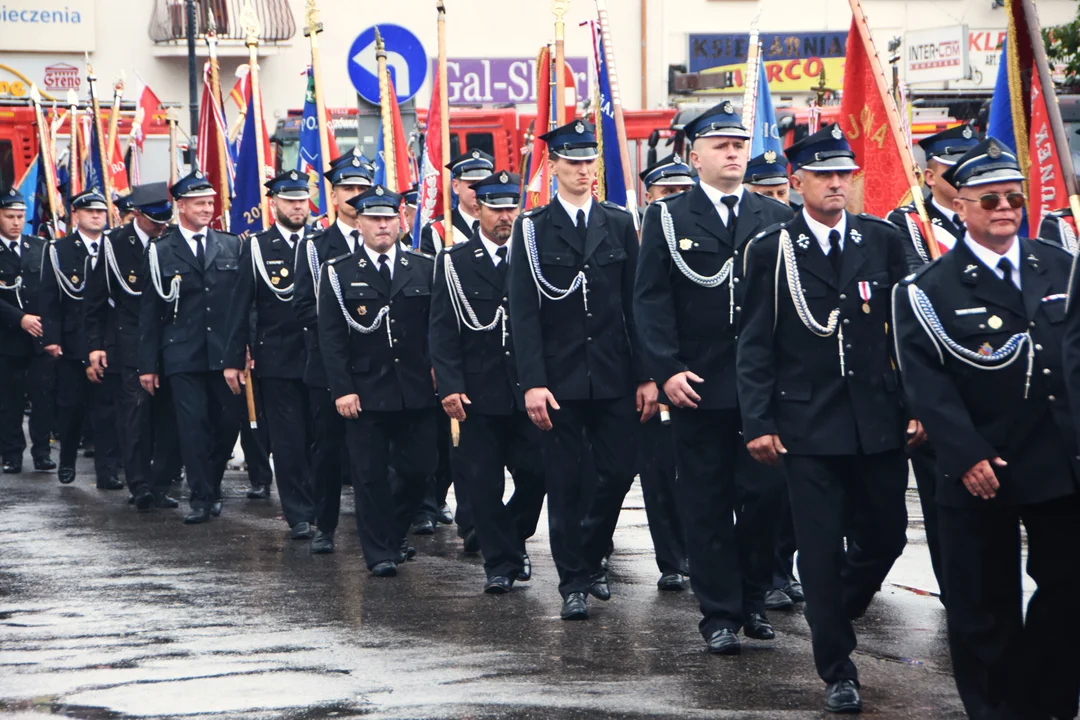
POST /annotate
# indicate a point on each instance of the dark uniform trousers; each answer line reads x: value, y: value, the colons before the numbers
x: 288, y: 417
x: 185, y: 343
x: 489, y: 444
x: 146, y: 426
x: 1006, y: 664
x: 64, y: 324
x: 22, y: 360
x: 585, y: 351
x: 328, y: 452
x: 255, y: 442
x: 389, y: 370
x: 656, y: 468
x: 844, y: 433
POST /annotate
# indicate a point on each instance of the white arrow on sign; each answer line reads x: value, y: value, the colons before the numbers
x: 367, y: 60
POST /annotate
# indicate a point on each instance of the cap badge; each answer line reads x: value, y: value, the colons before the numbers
x: 11, y: 191
x: 728, y: 108
x: 504, y: 178
x: 994, y: 152
x: 476, y: 154
x: 676, y: 159
x: 967, y: 132
x: 837, y: 133
x: 770, y: 156
x: 579, y: 128
x: 198, y: 175
x: 379, y: 191
x: 293, y: 176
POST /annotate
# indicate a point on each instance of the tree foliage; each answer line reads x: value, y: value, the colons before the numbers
x: 1063, y: 48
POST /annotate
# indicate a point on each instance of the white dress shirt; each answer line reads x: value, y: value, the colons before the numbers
x: 493, y: 248
x: 390, y: 254
x: 572, y: 209
x: 287, y: 233
x: 469, y: 219
x: 189, y: 235
x: 948, y: 213
x: 16, y: 248
x: 347, y: 232
x: 93, y: 247
x: 716, y: 197
x: 821, y: 231
x: 990, y: 259
x: 143, y: 237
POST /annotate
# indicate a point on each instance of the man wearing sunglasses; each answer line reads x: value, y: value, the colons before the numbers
x: 979, y: 337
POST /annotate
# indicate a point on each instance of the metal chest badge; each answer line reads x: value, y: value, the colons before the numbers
x: 361, y: 310
x: 686, y: 244
x: 865, y: 292
x: 995, y: 322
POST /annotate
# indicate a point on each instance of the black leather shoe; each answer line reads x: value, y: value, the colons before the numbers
x: 66, y: 475
x: 671, y: 581
x: 422, y: 526
x: 445, y: 517
x: 197, y: 516
x: 131, y: 498
x: 386, y: 568
x: 144, y: 498
x: 13, y: 467
x: 301, y: 531
x: 843, y: 697
x: 795, y: 592
x: 44, y: 464
x: 109, y: 482
x: 525, y: 574
x: 757, y: 627
x: 778, y: 600
x: 323, y: 544
x: 472, y: 543
x: 724, y: 642
x: 163, y: 501
x: 408, y: 552
x: 215, y: 508
x: 499, y: 585
x: 599, y: 588
x: 258, y: 492
x: 575, y: 607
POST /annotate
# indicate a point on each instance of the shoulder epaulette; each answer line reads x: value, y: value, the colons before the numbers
x: 924, y: 269
x: 452, y: 248
x: 343, y: 256
x: 417, y: 253
x: 535, y: 211
x: 772, y: 200
x: 1050, y: 244
x: 875, y: 218
x: 613, y: 206
x: 1060, y: 213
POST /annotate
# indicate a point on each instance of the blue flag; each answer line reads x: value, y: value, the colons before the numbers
x: 29, y: 189
x: 766, y: 135
x: 1000, y: 123
x: 614, y: 179
x: 245, y: 215
x: 310, y: 159
x: 95, y: 170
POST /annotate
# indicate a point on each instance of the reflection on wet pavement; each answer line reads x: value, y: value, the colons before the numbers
x: 109, y: 613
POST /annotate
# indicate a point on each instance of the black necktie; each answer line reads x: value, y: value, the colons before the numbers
x: 384, y: 268
x: 958, y: 224
x: 355, y: 235
x: 731, y: 201
x: 293, y: 239
x: 501, y: 267
x: 93, y: 249
x: 1006, y: 267
x: 834, y: 251
x: 582, y: 226
x: 15, y: 246
x: 200, y: 254
x: 475, y: 226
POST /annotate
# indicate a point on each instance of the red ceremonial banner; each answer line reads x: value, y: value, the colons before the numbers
x: 1046, y: 180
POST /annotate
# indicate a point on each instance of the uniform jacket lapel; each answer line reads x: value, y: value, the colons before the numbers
x: 1034, y: 281
x: 565, y: 227
x: 482, y: 262
x: 402, y: 273
x: 596, y: 229
x: 987, y: 285
x: 749, y: 218
x: 852, y: 258
x: 810, y: 258
x: 182, y: 249
x: 213, y: 247
x: 706, y: 216
x: 461, y: 224
x: 369, y: 271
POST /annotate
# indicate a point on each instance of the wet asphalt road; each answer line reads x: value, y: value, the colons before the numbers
x: 110, y: 613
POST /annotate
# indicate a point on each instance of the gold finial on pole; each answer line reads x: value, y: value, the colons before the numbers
x: 385, y: 88
x: 558, y: 113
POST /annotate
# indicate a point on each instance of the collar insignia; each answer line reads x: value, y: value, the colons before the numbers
x: 856, y: 237
x: 361, y: 263
x: 803, y: 241
x: 404, y: 261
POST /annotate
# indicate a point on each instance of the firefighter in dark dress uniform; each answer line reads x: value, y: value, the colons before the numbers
x: 476, y: 377
x: 266, y: 280
x: 349, y: 176
x: 1059, y: 227
x: 982, y: 335
x: 942, y: 151
x: 373, y: 331
x: 22, y: 357
x: 71, y: 259
x: 146, y: 425
x: 578, y: 356
x: 818, y: 389
x: 656, y: 458
x: 190, y: 273
x: 687, y: 305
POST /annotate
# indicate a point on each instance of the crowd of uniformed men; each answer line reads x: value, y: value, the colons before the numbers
x: 799, y: 358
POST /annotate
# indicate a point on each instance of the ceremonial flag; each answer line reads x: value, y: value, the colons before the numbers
x: 28, y: 187
x: 95, y: 168
x: 612, y: 179
x: 431, y: 165
x: 1024, y: 114
x: 310, y: 159
x: 765, y: 135
x: 402, y: 167
x: 537, y: 177
x: 880, y: 184
x: 151, y: 108
x: 118, y: 169
x: 245, y: 215
x: 211, y: 134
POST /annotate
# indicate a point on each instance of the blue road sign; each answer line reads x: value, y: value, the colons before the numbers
x: 405, y: 56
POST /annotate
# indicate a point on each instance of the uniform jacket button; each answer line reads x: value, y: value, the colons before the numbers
x: 843, y: 296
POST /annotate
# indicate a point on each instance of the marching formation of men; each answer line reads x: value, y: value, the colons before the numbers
x: 767, y: 369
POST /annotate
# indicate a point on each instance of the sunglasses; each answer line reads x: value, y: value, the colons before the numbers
x: 990, y: 201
